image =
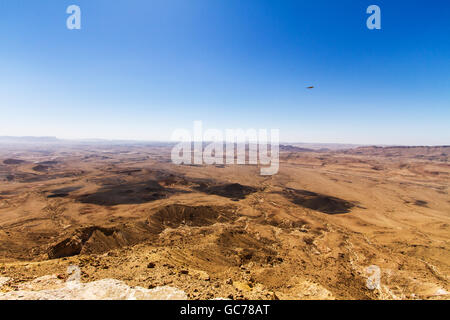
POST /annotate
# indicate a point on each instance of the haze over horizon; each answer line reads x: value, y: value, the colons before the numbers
x: 313, y: 145
x: 140, y: 70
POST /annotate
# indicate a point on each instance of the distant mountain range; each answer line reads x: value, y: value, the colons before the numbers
x: 293, y: 147
x: 55, y: 141
x: 8, y: 139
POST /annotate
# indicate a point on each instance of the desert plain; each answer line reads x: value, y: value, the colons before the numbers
x: 315, y: 230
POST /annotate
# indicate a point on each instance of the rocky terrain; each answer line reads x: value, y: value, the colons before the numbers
x: 135, y: 226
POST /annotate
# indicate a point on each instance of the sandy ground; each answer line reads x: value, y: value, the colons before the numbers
x: 309, y: 232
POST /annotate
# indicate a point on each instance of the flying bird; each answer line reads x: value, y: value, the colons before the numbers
x: 311, y: 87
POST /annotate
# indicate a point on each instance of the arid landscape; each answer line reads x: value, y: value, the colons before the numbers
x: 125, y: 212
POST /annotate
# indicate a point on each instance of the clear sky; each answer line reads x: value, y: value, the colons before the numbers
x: 141, y: 69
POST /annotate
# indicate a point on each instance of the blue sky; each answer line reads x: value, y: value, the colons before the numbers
x: 141, y: 69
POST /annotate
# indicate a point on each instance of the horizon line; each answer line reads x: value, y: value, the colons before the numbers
x: 55, y: 139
